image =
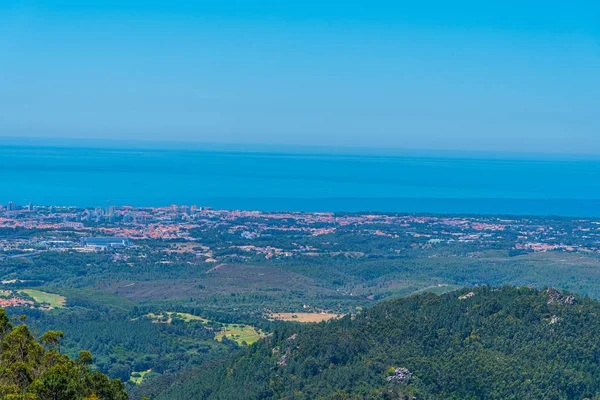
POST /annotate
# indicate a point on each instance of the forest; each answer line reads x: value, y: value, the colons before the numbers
x: 485, y: 343
x: 35, y: 368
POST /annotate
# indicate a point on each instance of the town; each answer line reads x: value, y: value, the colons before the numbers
x: 27, y: 230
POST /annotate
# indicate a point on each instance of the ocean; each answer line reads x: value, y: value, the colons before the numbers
x: 89, y: 177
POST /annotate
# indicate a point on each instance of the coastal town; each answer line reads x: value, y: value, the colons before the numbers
x: 31, y: 229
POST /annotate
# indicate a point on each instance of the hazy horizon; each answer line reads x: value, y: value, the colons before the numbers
x: 317, y: 150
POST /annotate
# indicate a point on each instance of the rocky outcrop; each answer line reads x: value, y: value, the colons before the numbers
x: 556, y: 297
x: 400, y: 375
x: 466, y: 296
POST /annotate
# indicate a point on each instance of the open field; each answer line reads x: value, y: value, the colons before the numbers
x: 163, y: 318
x: 138, y: 377
x: 54, y: 300
x: 187, y: 317
x: 236, y: 332
x: 239, y: 333
x: 305, y: 317
x: 167, y: 317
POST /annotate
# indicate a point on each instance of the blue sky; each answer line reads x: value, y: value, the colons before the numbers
x: 468, y: 75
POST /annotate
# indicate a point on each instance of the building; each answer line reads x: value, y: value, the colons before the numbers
x: 105, y: 242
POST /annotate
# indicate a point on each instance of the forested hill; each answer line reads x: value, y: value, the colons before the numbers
x: 487, y: 343
x: 36, y: 370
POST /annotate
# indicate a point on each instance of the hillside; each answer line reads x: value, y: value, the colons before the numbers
x: 487, y: 343
x: 36, y: 370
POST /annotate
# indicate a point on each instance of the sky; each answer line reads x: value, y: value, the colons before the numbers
x: 448, y: 75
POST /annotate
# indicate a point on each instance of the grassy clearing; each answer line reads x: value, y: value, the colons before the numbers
x: 163, y: 318
x: 54, y: 300
x: 239, y: 333
x: 187, y: 317
x: 305, y: 317
x: 167, y: 317
x: 236, y: 332
x: 138, y: 377
x: 438, y: 289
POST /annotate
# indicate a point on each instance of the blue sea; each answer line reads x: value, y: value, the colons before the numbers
x: 90, y: 177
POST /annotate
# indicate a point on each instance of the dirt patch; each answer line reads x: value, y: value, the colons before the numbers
x: 213, y: 269
x: 305, y: 317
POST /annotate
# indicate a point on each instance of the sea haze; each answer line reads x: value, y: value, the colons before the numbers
x: 90, y: 177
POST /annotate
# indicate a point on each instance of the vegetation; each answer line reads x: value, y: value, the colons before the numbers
x: 304, y: 317
x: 187, y: 317
x: 160, y: 307
x: 126, y: 342
x: 509, y: 343
x: 138, y: 377
x: 36, y: 370
x: 241, y: 334
x: 53, y: 300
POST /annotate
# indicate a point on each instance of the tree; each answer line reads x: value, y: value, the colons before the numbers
x: 32, y: 370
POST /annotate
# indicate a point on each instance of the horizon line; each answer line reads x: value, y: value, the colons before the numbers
x: 282, y: 148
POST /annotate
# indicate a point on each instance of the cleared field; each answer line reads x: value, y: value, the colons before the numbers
x: 236, y: 332
x: 164, y: 318
x: 305, y: 317
x: 138, y: 377
x: 239, y: 333
x: 54, y: 300
x: 167, y: 317
x: 187, y: 317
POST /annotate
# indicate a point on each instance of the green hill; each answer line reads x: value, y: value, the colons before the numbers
x: 36, y: 370
x: 487, y: 343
